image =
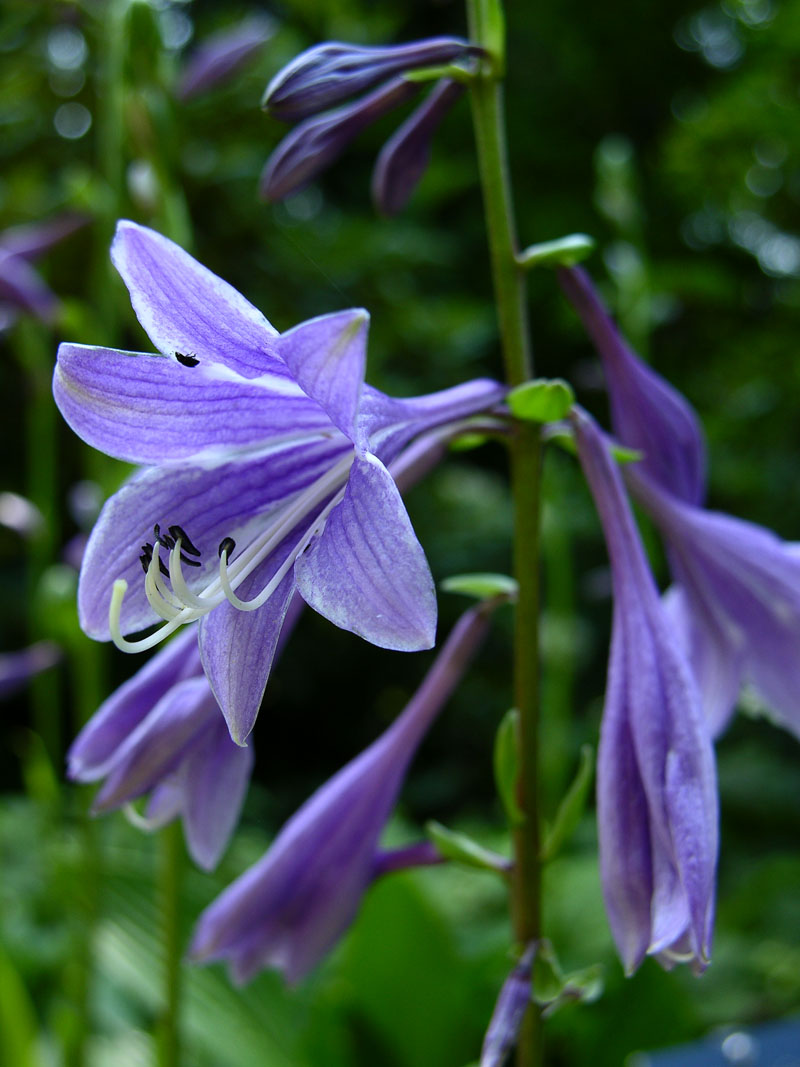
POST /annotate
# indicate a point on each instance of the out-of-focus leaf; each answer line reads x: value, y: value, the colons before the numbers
x: 571, y: 807
x: 483, y: 586
x: 505, y: 766
x: 17, y: 1018
x: 462, y: 849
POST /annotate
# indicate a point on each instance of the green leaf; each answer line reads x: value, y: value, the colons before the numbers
x: 467, y: 441
x: 18, y: 1028
x: 453, y: 71
x: 571, y: 807
x: 551, y: 989
x: 563, y: 252
x: 462, y: 849
x: 542, y: 400
x: 505, y: 766
x: 484, y: 586
x: 494, y: 33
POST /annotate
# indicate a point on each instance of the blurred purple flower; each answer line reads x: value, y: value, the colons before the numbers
x: 656, y: 786
x: 17, y: 668
x: 289, y: 909
x: 21, y: 288
x: 162, y: 733
x: 268, y: 446
x: 330, y: 73
x: 222, y: 55
x: 509, y: 1011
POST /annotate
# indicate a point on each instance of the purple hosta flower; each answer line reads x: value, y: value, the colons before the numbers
x: 222, y: 55
x: 405, y: 156
x: 162, y: 734
x: 736, y: 604
x: 21, y: 288
x: 656, y: 790
x: 289, y: 909
x: 267, y: 473
x: 17, y: 668
x: 647, y: 413
x: 509, y: 1011
x: 331, y: 73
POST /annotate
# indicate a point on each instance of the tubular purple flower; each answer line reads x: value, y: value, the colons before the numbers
x: 316, y: 143
x: 162, y: 733
x: 509, y: 1011
x: 222, y: 55
x: 656, y: 786
x: 647, y: 413
x: 267, y: 473
x: 327, y: 74
x: 289, y: 909
x: 406, y: 154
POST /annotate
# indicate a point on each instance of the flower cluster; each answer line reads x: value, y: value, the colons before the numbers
x: 324, y: 76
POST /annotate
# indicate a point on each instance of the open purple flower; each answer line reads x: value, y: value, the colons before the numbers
x: 162, y: 733
x: 289, y: 909
x: 656, y: 785
x: 267, y: 474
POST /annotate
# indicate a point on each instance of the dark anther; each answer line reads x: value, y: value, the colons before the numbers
x: 147, y: 551
x: 186, y: 544
x: 190, y: 562
x: 227, y: 544
x: 187, y: 361
x: 146, y: 559
x: 145, y: 562
x: 165, y: 539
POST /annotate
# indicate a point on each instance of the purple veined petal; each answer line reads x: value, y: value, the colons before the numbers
x: 185, y: 308
x: 158, y: 744
x: 234, y: 499
x: 326, y: 74
x: 99, y: 741
x: 405, y: 156
x: 367, y: 571
x: 222, y: 55
x: 31, y: 240
x: 327, y: 357
x: 648, y: 414
x: 22, y: 288
x: 147, y: 408
x: 317, y: 142
x: 239, y: 647
x: 216, y: 774
x: 17, y: 668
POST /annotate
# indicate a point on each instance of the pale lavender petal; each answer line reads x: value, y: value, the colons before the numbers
x: 317, y: 142
x: 222, y: 55
x: 164, y: 804
x: 367, y: 571
x: 186, y: 308
x: 99, y: 741
x: 17, y: 668
x: 328, y: 357
x: 329, y: 73
x: 405, y: 156
x: 21, y: 515
x: 647, y: 412
x: 22, y: 287
x: 157, y: 745
x: 234, y: 499
x: 31, y: 240
x: 147, y: 408
x: 216, y: 774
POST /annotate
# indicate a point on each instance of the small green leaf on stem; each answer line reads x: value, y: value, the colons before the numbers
x: 494, y: 33
x: 505, y: 766
x: 571, y: 807
x: 462, y: 849
x: 454, y: 71
x: 551, y: 989
x: 563, y: 252
x: 467, y: 441
x: 484, y: 586
x: 542, y: 400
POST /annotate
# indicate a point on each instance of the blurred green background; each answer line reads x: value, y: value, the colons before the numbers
x: 669, y: 131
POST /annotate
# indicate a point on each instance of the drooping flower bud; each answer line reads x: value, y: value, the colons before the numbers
x: 406, y: 154
x: 222, y: 55
x: 328, y: 73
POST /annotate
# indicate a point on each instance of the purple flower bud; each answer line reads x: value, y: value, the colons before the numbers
x: 314, y: 144
x: 656, y: 787
x: 21, y: 288
x: 289, y: 909
x: 405, y: 156
x: 17, y: 668
x: 509, y: 1011
x: 222, y: 55
x: 329, y: 73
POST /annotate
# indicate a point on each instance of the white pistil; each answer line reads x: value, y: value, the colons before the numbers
x: 179, y: 605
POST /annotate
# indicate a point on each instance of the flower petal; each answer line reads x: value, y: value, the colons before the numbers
x: 367, y: 571
x: 186, y: 308
x: 146, y: 408
x: 327, y: 357
x: 22, y: 288
x: 216, y: 774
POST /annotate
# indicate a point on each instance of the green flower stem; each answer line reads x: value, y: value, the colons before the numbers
x: 171, y: 855
x: 509, y: 287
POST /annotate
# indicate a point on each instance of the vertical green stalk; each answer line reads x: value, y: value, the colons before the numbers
x: 169, y: 883
x: 485, y: 18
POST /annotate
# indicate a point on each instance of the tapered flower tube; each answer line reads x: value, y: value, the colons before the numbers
x: 327, y: 74
x: 647, y: 413
x: 656, y: 787
x: 405, y: 156
x: 222, y: 55
x: 289, y: 909
x: 162, y: 734
x: 267, y: 473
